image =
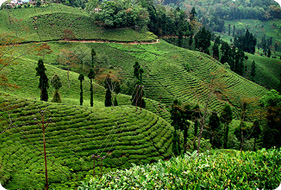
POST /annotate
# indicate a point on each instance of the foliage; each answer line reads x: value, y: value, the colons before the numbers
x: 68, y: 58
x: 138, y: 94
x: 43, y: 80
x: 214, y: 130
x: 226, y: 118
x: 119, y: 14
x: 272, y: 102
x: 57, y: 84
x: 202, y: 40
x: 211, y: 170
x: 91, y: 76
x: 246, y: 42
x: 81, y: 78
x: 179, y: 116
x: 108, y: 98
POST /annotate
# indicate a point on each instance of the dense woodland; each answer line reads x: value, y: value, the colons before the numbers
x: 166, y: 81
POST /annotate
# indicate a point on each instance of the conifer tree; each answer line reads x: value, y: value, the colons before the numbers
x: 43, y: 80
x: 215, y: 48
x: 57, y: 84
x: 91, y: 76
x: 108, y: 94
x: 81, y: 78
x: 203, y: 40
x: 137, y: 96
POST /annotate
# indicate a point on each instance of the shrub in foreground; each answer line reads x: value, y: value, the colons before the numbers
x: 210, y: 170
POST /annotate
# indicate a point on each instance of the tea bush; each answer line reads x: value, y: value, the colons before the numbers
x: 209, y: 170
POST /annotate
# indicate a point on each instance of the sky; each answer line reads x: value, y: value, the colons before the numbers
x: 278, y: 1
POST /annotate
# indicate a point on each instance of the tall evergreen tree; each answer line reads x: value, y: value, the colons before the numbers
x: 226, y: 118
x: 215, y: 48
x: 81, y: 78
x: 137, y: 96
x: 192, y: 14
x: 239, y: 57
x: 203, y: 40
x: 246, y: 42
x: 43, y: 80
x: 108, y: 94
x: 91, y: 76
x: 226, y: 54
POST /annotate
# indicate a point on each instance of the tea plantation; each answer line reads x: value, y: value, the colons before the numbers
x: 211, y: 170
x: 120, y: 133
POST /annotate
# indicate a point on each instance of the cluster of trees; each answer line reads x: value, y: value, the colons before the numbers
x: 118, y: 14
x: 233, y: 57
x: 44, y: 83
x: 265, y: 131
x: 230, y: 10
x: 246, y: 42
x: 167, y: 22
x: 203, y: 40
x: 266, y: 45
x: 185, y: 116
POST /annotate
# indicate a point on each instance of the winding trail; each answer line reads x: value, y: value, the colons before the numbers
x: 106, y: 41
x: 84, y: 41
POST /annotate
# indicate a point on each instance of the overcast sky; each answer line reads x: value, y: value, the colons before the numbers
x: 278, y: 1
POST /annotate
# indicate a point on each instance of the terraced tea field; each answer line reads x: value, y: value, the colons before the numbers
x: 121, y: 134
x: 167, y: 79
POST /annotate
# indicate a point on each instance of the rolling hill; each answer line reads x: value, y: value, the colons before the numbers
x: 120, y: 133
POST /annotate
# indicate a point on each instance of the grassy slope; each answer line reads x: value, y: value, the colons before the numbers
x: 165, y: 76
x: 120, y: 133
x: 48, y: 23
x: 257, y: 27
x: 268, y: 69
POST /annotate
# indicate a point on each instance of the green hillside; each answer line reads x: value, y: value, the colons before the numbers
x: 123, y: 135
x: 49, y: 22
x: 268, y: 70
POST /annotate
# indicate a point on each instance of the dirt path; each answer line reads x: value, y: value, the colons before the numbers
x: 86, y: 41
x: 105, y: 41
